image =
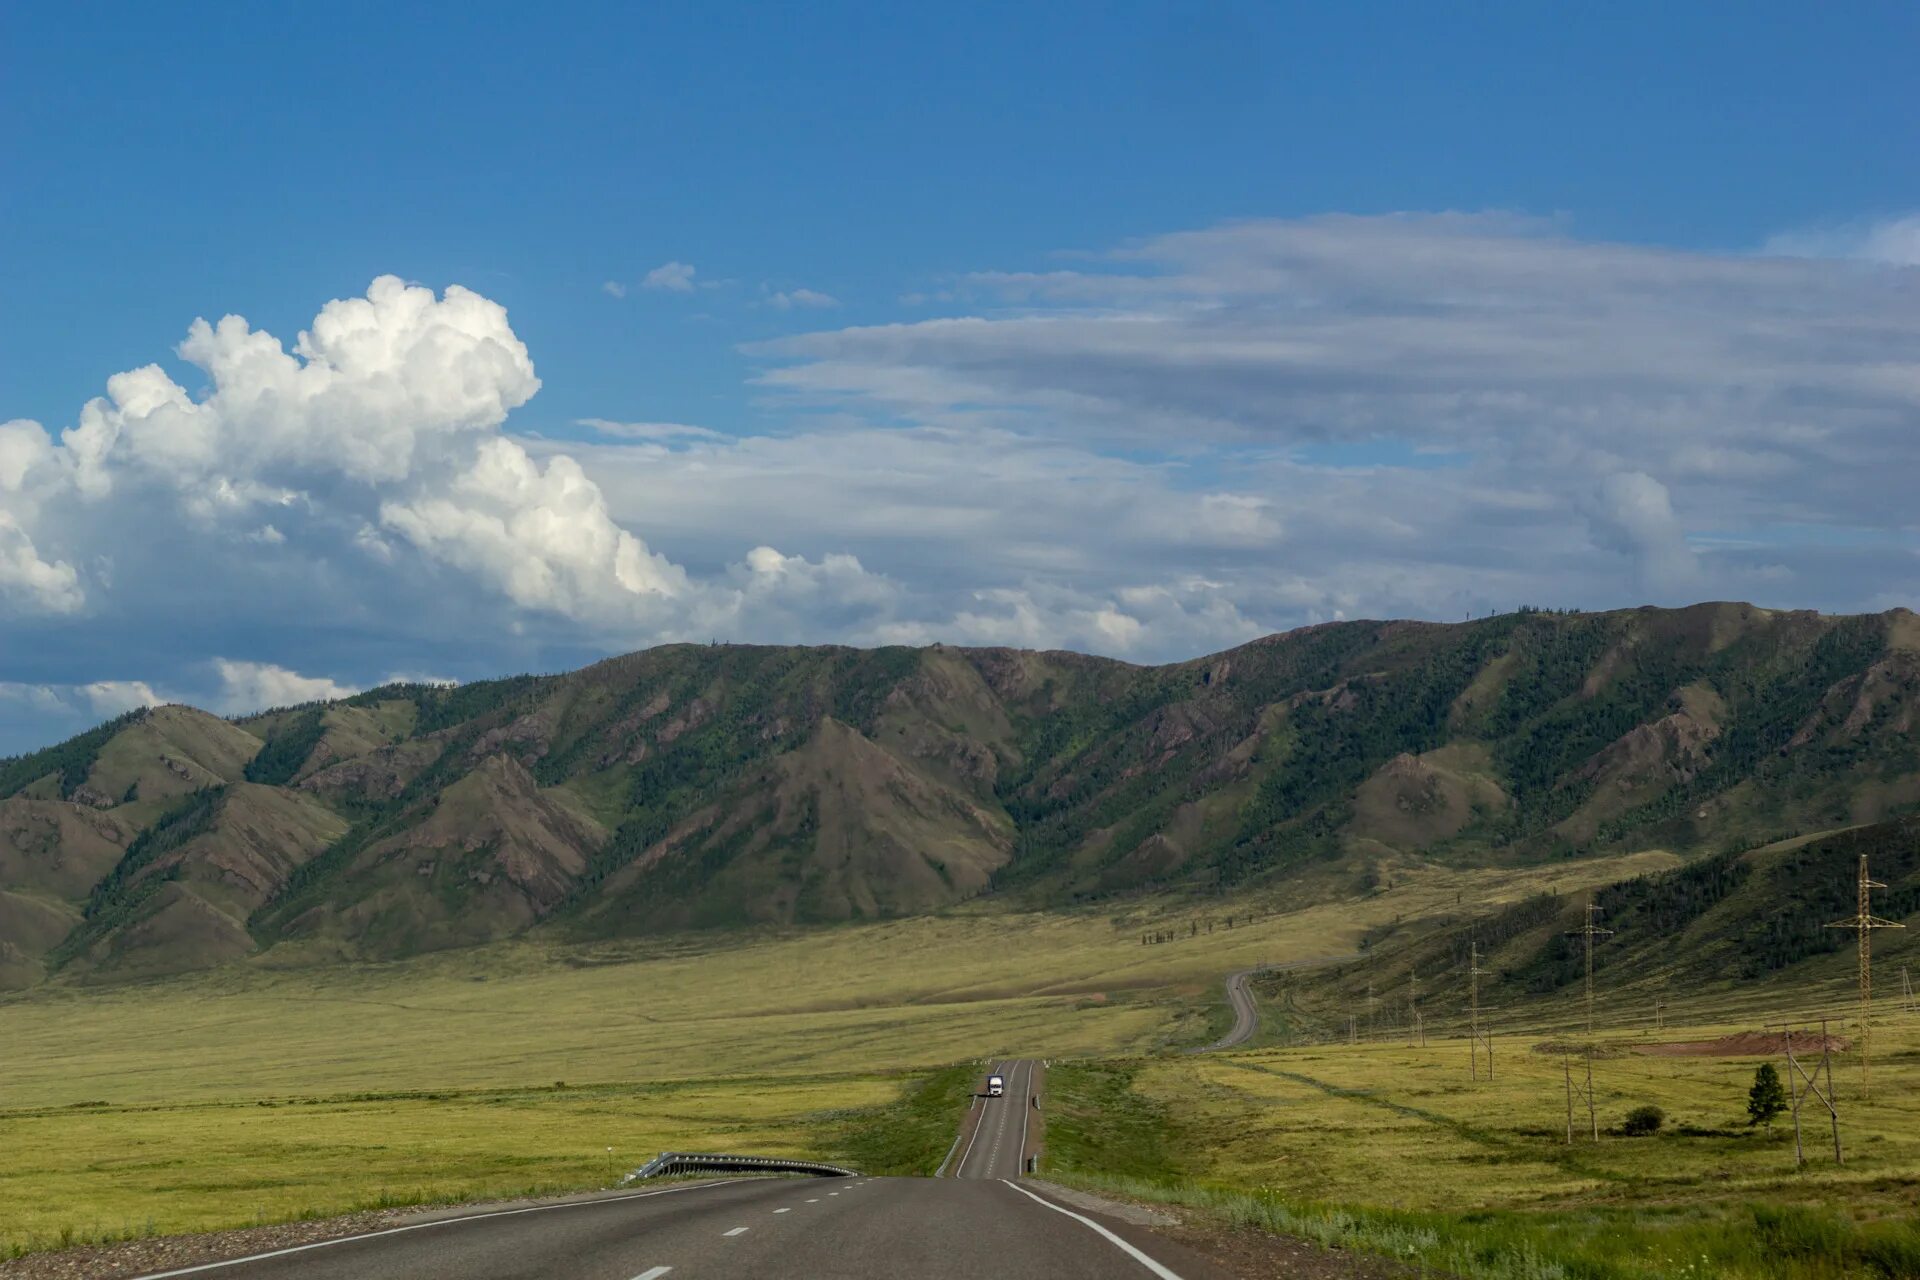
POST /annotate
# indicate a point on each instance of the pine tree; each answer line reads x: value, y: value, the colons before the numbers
x: 1766, y: 1099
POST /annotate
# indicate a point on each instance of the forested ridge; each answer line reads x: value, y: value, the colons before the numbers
x: 715, y: 784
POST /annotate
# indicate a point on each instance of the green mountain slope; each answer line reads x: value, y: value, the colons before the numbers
x: 1694, y: 936
x: 700, y: 785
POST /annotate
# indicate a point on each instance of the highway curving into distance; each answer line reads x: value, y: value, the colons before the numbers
x: 975, y: 1222
x: 1246, y: 1016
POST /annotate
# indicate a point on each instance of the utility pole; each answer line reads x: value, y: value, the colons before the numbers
x: 1590, y: 931
x: 1479, y: 1038
x: 1906, y: 991
x: 1372, y: 1005
x: 1583, y: 1091
x: 1864, y: 922
x: 1415, y: 1032
x: 1802, y: 1082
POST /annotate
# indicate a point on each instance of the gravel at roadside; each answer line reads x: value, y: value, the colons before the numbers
x: 1249, y: 1253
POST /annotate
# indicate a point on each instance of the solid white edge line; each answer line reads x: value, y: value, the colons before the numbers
x: 941, y: 1172
x: 422, y: 1226
x: 960, y: 1170
x: 1112, y: 1239
x: 1026, y: 1115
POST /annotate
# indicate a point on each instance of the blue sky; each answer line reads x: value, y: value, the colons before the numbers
x: 1028, y: 324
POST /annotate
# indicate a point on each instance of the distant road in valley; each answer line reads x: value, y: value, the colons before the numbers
x: 977, y: 1221
x: 1246, y: 1014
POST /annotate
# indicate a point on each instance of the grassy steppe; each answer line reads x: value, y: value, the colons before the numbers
x: 102, y: 1172
x: 915, y: 992
x: 256, y: 1092
x: 1397, y: 1149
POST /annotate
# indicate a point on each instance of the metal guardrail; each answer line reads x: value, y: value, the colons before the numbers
x: 696, y: 1162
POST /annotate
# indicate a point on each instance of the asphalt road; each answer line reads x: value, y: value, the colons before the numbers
x: 1246, y: 1018
x: 1246, y: 1015
x: 995, y: 1144
x: 977, y: 1224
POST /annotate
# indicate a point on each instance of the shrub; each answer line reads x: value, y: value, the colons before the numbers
x: 1643, y: 1120
x: 1767, y: 1098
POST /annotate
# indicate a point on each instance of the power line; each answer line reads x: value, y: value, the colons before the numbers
x: 1415, y: 1032
x: 1801, y: 1082
x: 1590, y: 931
x: 1864, y: 922
x: 1583, y: 1091
x: 1479, y: 1038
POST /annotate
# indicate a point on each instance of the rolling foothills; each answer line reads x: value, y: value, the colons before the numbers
x: 695, y: 786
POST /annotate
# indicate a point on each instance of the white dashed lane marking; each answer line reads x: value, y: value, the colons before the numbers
x: 737, y: 1231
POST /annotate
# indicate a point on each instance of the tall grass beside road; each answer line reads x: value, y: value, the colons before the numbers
x: 910, y: 1133
x: 90, y: 1174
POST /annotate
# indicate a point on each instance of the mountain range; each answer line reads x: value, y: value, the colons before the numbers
x: 695, y: 786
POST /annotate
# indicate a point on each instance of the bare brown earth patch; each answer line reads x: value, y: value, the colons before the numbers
x: 1743, y: 1044
x: 1555, y: 1048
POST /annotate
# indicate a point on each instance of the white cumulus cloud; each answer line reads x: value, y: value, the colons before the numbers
x: 1174, y: 445
x: 255, y: 686
x: 381, y: 421
x: 541, y: 534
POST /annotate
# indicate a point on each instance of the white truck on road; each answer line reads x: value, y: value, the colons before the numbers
x: 995, y: 1086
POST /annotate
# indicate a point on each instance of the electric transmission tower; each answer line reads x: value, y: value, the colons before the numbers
x: 1480, y: 1039
x: 1575, y: 1089
x: 1803, y: 1083
x: 1590, y: 931
x: 1864, y: 922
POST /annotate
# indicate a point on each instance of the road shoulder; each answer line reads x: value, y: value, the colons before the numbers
x: 1238, y: 1250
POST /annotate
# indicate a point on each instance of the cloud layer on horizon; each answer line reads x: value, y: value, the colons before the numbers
x: 1163, y: 449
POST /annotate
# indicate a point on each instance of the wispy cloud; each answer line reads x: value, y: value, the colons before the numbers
x: 658, y: 431
x: 1889, y: 240
x: 671, y: 277
x: 791, y: 299
x: 1172, y: 446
